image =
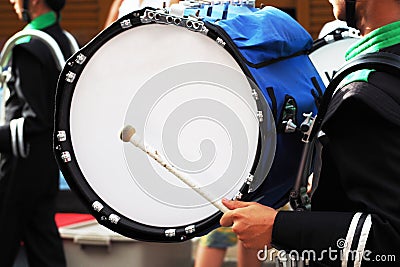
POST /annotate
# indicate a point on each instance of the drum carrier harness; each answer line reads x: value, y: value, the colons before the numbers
x: 379, y: 61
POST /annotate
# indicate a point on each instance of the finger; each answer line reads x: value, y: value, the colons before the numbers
x: 234, y: 204
x: 227, y: 219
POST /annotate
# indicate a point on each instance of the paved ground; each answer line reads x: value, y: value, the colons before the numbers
x: 230, y: 258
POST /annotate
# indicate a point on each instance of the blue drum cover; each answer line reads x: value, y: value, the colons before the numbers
x: 266, y: 34
x: 274, y: 48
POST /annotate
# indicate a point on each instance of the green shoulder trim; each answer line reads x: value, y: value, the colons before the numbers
x: 376, y: 40
x: 41, y: 22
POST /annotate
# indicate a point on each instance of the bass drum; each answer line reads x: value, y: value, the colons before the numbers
x: 188, y: 98
x: 328, y: 53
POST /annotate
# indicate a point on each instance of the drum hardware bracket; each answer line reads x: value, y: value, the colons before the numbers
x: 306, y: 126
x: 66, y: 156
x: 113, y: 218
x: 125, y: 24
x: 260, y: 116
x: 170, y: 232
x: 220, y: 41
x: 339, y: 34
x: 245, y: 187
x: 80, y: 59
x: 290, y: 126
x: 61, y: 136
x: 299, y: 200
x: 97, y: 206
x: 255, y: 94
x: 70, y: 77
x: 161, y: 17
x: 353, y: 33
x: 190, y: 229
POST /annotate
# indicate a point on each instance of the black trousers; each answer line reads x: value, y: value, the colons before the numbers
x: 39, y: 235
x: 28, y: 190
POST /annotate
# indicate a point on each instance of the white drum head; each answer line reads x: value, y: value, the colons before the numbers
x: 188, y: 99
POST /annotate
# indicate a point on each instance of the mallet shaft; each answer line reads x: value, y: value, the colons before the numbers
x: 128, y: 134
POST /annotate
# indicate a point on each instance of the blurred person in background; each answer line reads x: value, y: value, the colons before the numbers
x: 29, y: 175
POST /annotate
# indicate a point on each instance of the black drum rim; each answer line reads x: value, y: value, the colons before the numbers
x: 65, y: 153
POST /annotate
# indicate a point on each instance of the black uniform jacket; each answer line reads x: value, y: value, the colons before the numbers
x: 355, y: 215
x: 27, y: 167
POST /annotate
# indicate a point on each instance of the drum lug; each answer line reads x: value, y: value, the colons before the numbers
x: 125, y: 24
x: 70, y: 77
x: 97, y: 206
x: 190, y: 229
x: 260, y: 116
x: 170, y: 232
x: 220, y: 41
x: 250, y: 179
x: 61, y: 136
x: 204, y: 31
x: 80, y: 59
x: 254, y: 94
x: 290, y: 127
x: 66, y: 156
x: 113, y: 218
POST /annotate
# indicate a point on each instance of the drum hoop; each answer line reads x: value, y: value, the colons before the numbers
x: 65, y: 153
x: 332, y: 37
x: 336, y: 38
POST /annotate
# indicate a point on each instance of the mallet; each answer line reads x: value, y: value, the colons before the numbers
x: 128, y: 134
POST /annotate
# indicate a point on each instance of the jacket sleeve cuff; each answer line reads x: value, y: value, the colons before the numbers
x: 12, y: 138
x: 310, y: 230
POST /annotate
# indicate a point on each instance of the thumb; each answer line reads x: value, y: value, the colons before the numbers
x: 234, y: 204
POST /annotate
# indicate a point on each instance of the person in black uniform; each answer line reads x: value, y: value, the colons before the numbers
x: 29, y: 174
x: 355, y: 217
